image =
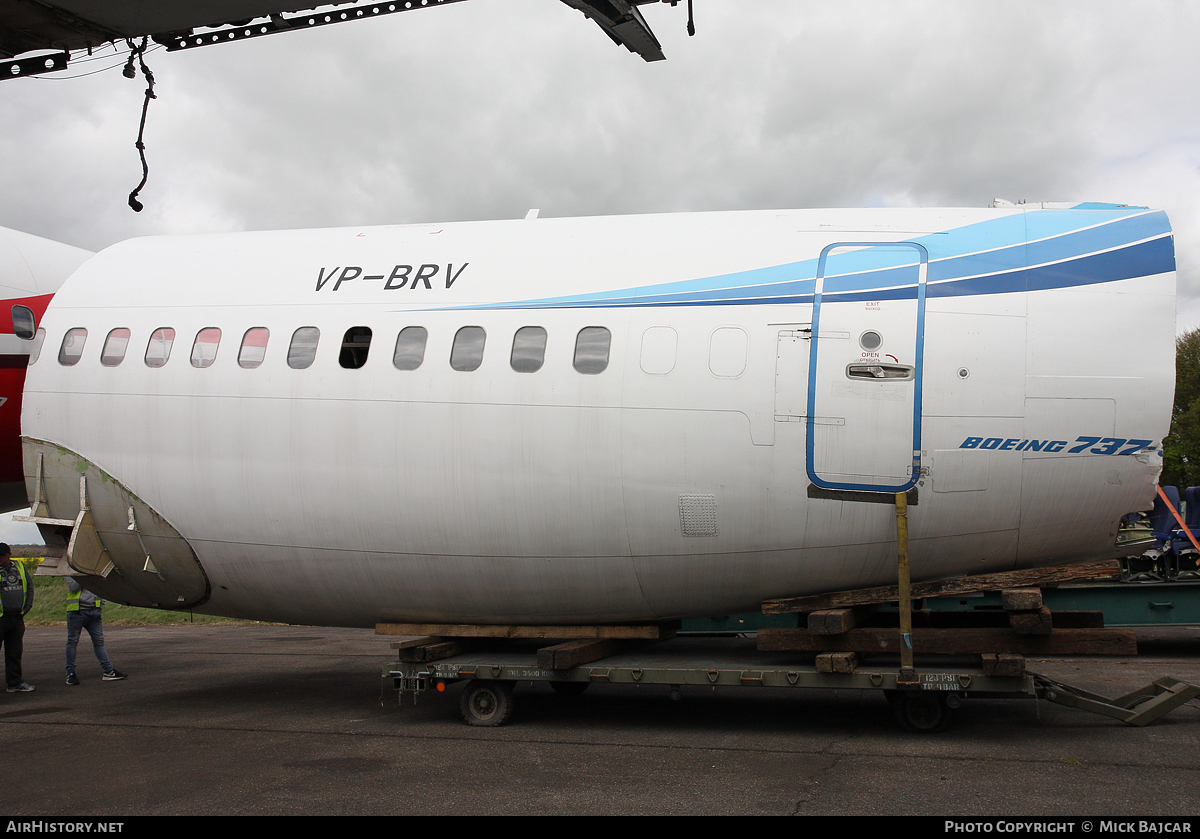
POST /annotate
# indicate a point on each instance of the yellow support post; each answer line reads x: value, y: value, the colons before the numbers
x: 907, y: 672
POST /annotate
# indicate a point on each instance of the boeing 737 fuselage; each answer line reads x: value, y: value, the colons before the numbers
x: 601, y: 419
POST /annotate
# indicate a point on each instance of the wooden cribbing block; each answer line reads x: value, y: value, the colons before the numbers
x: 573, y: 653
x: 419, y: 650
x: 833, y: 621
x: 836, y: 662
x: 1021, y: 599
x: 945, y: 588
x: 1003, y: 664
x: 1035, y: 622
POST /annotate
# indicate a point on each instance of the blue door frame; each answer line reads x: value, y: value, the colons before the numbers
x: 872, y: 283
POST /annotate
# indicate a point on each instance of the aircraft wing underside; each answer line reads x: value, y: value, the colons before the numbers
x: 32, y: 25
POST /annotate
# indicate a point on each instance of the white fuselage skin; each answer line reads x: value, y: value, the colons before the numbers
x: 673, y: 483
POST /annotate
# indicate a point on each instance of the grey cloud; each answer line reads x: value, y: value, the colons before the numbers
x: 485, y: 109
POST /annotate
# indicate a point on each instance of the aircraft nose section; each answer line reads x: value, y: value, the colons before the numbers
x: 130, y: 553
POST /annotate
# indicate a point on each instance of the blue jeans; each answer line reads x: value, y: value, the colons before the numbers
x: 88, y: 619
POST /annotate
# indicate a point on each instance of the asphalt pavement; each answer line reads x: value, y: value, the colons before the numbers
x: 271, y: 720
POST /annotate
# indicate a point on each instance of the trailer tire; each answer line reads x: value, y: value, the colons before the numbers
x: 487, y: 703
x: 920, y: 712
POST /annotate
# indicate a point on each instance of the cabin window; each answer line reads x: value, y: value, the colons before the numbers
x: 23, y: 322
x: 467, y: 352
x: 591, y: 349
x: 158, y: 350
x: 204, y: 351
x: 727, y: 351
x: 35, y: 349
x: 410, y: 348
x: 528, y: 349
x: 303, y: 349
x: 254, y: 347
x: 72, y: 346
x: 114, y: 347
x: 356, y: 343
x: 658, y: 350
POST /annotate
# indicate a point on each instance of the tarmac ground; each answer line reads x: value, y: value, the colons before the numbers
x: 272, y: 720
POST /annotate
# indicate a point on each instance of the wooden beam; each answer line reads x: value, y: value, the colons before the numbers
x: 836, y: 662
x: 984, y: 618
x: 1033, y: 622
x: 1003, y: 664
x: 430, y: 649
x: 944, y: 588
x: 654, y: 632
x: 1014, y: 599
x: 965, y: 619
x: 955, y: 641
x: 833, y: 621
x: 574, y: 653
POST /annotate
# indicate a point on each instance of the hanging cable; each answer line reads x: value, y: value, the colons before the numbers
x: 691, y: 21
x: 139, y: 52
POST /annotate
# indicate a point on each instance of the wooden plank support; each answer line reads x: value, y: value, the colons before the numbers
x: 1021, y: 599
x: 980, y: 619
x: 1003, y: 664
x: 651, y: 632
x: 1033, y: 622
x: 1109, y: 569
x: 836, y: 662
x: 417, y: 650
x: 835, y: 621
x: 997, y: 618
x: 574, y: 653
x: 955, y: 641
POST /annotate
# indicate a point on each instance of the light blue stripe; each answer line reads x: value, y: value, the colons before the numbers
x: 995, y: 247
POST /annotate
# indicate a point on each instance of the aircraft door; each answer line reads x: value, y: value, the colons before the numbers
x: 865, y: 367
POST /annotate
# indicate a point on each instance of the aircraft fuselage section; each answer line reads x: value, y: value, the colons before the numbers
x: 608, y: 419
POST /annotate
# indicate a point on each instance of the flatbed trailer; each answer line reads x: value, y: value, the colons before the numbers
x: 921, y: 700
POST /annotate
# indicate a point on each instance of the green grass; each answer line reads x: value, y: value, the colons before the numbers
x: 50, y: 609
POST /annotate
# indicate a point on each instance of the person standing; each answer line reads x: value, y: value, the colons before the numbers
x: 16, y: 599
x: 83, y: 612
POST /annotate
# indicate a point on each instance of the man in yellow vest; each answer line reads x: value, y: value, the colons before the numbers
x: 16, y: 599
x: 83, y: 612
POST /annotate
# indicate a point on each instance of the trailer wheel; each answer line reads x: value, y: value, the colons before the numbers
x: 920, y: 712
x: 569, y: 688
x: 487, y: 703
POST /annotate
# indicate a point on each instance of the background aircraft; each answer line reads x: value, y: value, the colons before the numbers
x: 31, y: 270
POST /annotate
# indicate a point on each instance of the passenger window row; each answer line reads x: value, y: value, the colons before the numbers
x: 592, y: 345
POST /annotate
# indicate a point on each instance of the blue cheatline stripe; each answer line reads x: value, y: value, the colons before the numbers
x: 1140, y: 260
x: 1079, y: 243
x: 1058, y: 247
x: 922, y: 257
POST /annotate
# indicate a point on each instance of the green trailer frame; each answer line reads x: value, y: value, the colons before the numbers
x: 922, y: 703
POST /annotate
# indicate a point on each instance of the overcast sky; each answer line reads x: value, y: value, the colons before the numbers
x: 488, y: 108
